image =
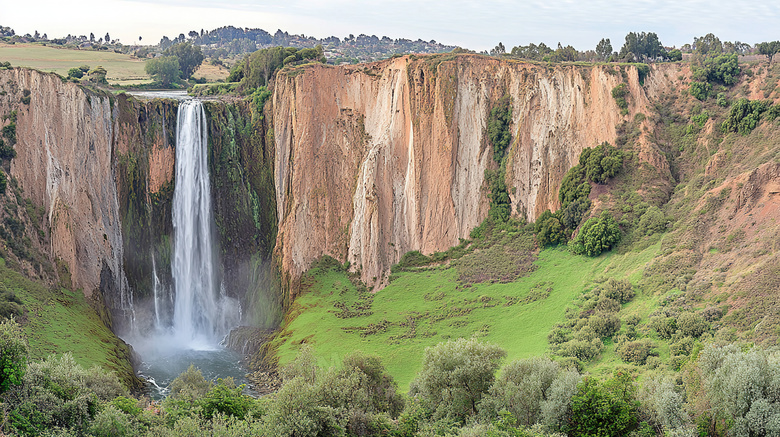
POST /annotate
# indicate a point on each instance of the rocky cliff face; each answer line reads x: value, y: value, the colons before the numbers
x: 376, y: 160
x: 64, y: 163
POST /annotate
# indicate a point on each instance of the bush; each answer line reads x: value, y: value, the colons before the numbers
x: 635, y: 352
x: 164, y: 69
x: 225, y: 398
x: 574, y: 212
x: 574, y: 186
x: 583, y: 350
x: 692, y: 324
x: 744, y: 116
x: 700, y: 90
x: 455, y: 376
x: 110, y: 422
x: 520, y: 390
x: 665, y: 327
x: 607, y: 409
x: 549, y: 230
x: 621, y: 291
x: 604, y: 325
x: 498, y: 130
x: 601, y: 163
x: 76, y: 73
x: 596, y: 236
x: 13, y: 354
x: 619, y: 93
x: 652, y: 221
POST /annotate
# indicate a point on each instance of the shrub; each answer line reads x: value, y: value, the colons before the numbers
x: 601, y: 163
x: 604, y: 409
x: 455, y: 375
x: 596, y: 236
x: 692, y: 324
x: 744, y: 116
x: 574, y: 212
x: 76, y: 73
x: 111, y: 422
x: 555, y: 410
x: 13, y: 354
x: 164, y: 69
x: 619, y: 290
x: 225, y: 398
x: 619, y: 93
x: 604, y: 325
x: 700, y: 90
x: 583, y: 350
x: 190, y: 385
x: 635, y: 352
x: 663, y: 406
x: 652, y: 221
x: 549, y: 230
x: 665, y: 327
x: 574, y: 186
x: 521, y: 389
x: 499, y: 122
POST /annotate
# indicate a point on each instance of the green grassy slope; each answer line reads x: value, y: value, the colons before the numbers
x: 420, y: 309
x: 59, y: 320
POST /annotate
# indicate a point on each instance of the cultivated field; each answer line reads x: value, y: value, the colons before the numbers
x: 122, y: 69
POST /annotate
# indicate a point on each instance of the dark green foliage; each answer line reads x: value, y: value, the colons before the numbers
x: 665, y: 327
x: 619, y: 93
x: 549, y: 230
x: 225, y: 398
x: 596, y: 235
x: 111, y: 422
x: 722, y: 69
x: 164, y: 69
x: 7, y: 151
x: 259, y: 97
x: 500, y: 203
x: 652, y: 221
x: 692, y: 324
x: 675, y: 55
x: 604, y: 49
x: 574, y: 186
x: 642, y: 46
x: 13, y: 354
x: 604, y: 409
x: 9, y: 132
x: 3, y: 182
x: 619, y: 290
x: 604, y: 324
x: 581, y: 349
x: 127, y: 405
x: 499, y: 132
x: 601, y: 163
x: 769, y: 49
x: 189, y: 57
x: 700, y: 90
x: 573, y: 213
x: 635, y: 352
x: 256, y: 69
x: 744, y: 116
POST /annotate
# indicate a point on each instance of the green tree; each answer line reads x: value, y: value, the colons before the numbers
x: 165, y: 69
x: 596, y: 235
x: 499, y: 122
x: 708, y: 44
x: 75, y: 73
x: 455, y: 376
x: 549, y: 230
x: 768, y: 49
x: 189, y: 56
x: 604, y: 49
x: 604, y: 409
x: 642, y: 45
x: 602, y: 162
x: 13, y: 352
x: 98, y: 75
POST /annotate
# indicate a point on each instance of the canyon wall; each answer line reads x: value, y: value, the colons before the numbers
x: 379, y: 159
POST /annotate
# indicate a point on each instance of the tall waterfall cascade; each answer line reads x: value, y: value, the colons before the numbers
x: 202, y: 313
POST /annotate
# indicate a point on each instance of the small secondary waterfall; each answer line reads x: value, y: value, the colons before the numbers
x: 202, y: 312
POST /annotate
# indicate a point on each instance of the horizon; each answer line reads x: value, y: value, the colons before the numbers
x: 471, y: 25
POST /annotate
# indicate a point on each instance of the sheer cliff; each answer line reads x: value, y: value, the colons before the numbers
x: 376, y: 160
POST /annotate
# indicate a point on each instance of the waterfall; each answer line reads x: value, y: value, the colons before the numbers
x: 202, y: 312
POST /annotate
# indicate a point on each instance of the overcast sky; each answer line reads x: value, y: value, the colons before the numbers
x: 477, y: 25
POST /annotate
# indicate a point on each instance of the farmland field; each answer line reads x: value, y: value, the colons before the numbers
x: 122, y: 69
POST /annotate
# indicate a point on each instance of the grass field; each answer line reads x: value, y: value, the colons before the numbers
x: 60, y: 320
x: 122, y: 69
x: 420, y: 309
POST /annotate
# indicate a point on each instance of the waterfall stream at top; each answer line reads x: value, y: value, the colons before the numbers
x: 202, y: 314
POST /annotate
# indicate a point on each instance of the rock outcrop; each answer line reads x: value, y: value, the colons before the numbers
x: 376, y: 160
